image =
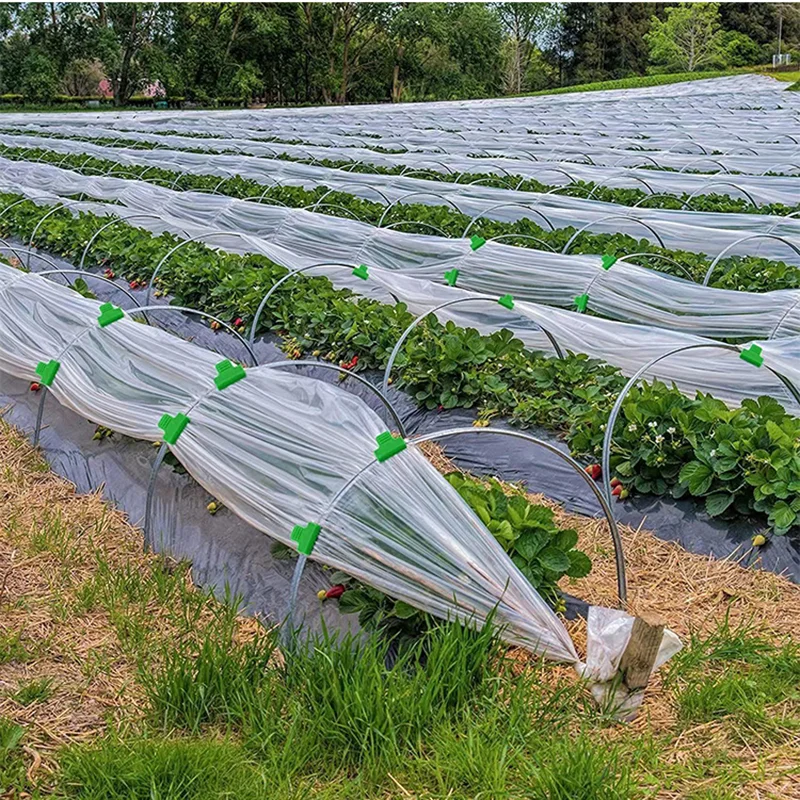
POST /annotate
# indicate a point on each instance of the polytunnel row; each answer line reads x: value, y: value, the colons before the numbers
x: 388, y: 119
x: 614, y: 288
x: 612, y: 165
x: 591, y: 335
x: 256, y: 167
x: 772, y: 188
x: 298, y: 459
x: 724, y: 380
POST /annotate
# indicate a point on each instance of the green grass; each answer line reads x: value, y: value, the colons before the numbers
x: 12, y: 767
x: 161, y: 769
x: 636, y: 82
x: 38, y: 690
x: 737, y: 675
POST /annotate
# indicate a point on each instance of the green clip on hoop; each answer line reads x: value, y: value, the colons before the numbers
x: 507, y: 301
x: 109, y: 313
x: 607, y: 261
x: 752, y: 355
x: 47, y: 371
x: 581, y: 302
x: 228, y: 374
x: 361, y: 272
x: 306, y: 537
x: 173, y: 427
x: 476, y: 241
x: 451, y: 276
x: 388, y: 446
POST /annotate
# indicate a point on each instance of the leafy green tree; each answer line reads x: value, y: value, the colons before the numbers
x: 688, y: 38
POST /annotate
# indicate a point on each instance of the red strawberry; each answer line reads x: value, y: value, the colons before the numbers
x: 238, y: 322
x: 134, y: 284
x: 35, y: 387
x: 334, y: 591
x: 616, y: 482
x: 594, y: 471
x: 616, y: 491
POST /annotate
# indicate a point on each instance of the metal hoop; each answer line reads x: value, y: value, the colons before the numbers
x: 362, y: 380
x: 187, y: 310
x: 696, y: 192
x: 612, y: 417
x: 61, y: 205
x: 604, y: 184
x: 283, y: 279
x: 416, y: 194
x: 607, y: 219
x: 619, y: 555
x: 200, y: 237
x: 663, y: 258
x: 741, y: 241
x: 407, y: 332
x: 92, y: 275
x: 701, y: 161
x: 108, y: 225
x: 341, y: 189
x: 521, y: 236
x: 664, y: 195
x: 482, y: 214
x: 438, y: 230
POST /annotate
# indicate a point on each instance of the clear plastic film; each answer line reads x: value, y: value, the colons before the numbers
x: 302, y: 239
x: 277, y: 449
x: 295, y: 237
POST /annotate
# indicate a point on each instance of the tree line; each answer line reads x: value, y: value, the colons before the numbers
x: 287, y: 53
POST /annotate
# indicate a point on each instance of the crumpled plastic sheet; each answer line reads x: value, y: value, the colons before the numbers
x: 276, y: 449
x: 608, y: 632
x: 627, y: 346
x: 707, y: 232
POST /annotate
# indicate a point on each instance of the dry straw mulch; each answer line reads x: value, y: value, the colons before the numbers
x: 93, y: 677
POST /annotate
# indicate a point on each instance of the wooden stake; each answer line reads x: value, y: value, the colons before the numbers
x: 636, y: 663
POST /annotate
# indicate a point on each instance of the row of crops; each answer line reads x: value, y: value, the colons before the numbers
x: 631, y: 285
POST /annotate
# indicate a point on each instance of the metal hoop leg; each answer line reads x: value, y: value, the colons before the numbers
x: 39, y: 415
x: 288, y: 633
x: 151, y: 486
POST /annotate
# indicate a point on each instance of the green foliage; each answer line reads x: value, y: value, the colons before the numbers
x: 738, y: 461
x: 737, y: 673
x: 542, y: 551
x: 688, y: 38
x: 167, y: 769
x: 37, y: 690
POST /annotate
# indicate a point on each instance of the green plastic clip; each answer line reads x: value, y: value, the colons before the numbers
x: 173, y: 427
x: 306, y: 537
x: 47, y: 371
x: 581, y: 302
x: 752, y: 355
x: 607, y: 261
x: 476, y: 241
x: 109, y: 313
x: 506, y: 300
x: 451, y: 276
x: 361, y: 272
x: 388, y: 446
x: 228, y: 374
